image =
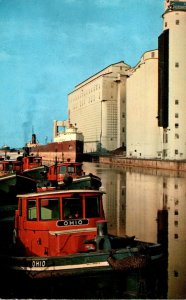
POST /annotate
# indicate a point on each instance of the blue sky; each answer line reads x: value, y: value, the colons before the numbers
x: 49, y: 46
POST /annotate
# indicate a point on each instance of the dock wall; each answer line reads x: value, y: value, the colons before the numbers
x: 123, y: 161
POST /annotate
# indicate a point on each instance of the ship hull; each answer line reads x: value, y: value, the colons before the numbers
x: 63, y: 151
x: 75, y: 264
x: 12, y: 184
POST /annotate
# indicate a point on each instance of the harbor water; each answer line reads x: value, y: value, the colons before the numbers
x: 150, y: 204
x: 147, y: 203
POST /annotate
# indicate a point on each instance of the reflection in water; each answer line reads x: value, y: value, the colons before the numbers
x: 150, y: 204
x: 104, y: 286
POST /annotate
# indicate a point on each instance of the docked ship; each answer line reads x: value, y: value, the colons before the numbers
x: 67, y: 144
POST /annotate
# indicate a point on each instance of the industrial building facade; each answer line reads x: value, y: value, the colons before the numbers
x: 98, y: 108
x: 141, y: 108
x: 143, y: 134
x: 172, y: 79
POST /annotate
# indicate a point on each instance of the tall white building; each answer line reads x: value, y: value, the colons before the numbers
x: 98, y: 108
x: 141, y: 108
x: 172, y: 80
x: 143, y: 134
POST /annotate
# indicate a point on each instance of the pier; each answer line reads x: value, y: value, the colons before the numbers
x: 123, y: 161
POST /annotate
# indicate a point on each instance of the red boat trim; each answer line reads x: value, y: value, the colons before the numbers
x: 48, y: 192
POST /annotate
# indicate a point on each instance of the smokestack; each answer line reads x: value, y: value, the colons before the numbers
x: 33, y: 138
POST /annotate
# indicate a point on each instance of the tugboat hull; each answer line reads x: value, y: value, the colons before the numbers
x: 76, y: 264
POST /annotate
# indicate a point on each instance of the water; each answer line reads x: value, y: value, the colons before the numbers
x: 150, y: 204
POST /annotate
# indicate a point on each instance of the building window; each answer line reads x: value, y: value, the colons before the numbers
x: 176, y: 223
x: 176, y: 236
x: 176, y: 64
x: 176, y: 201
x: 176, y: 187
x: 165, y: 24
x: 176, y: 115
x: 164, y: 152
x: 176, y: 151
x: 153, y: 54
x: 176, y: 125
x: 176, y: 101
x: 177, y: 22
x: 176, y: 136
x: 176, y: 274
x: 164, y: 185
x: 165, y: 138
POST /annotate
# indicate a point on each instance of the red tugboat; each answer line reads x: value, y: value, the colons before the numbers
x: 70, y: 175
x: 8, y: 166
x: 20, y: 175
x: 65, y: 232
x: 27, y: 165
x: 59, y: 170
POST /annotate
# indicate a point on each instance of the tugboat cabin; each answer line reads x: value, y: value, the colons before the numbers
x: 58, y: 171
x: 19, y: 165
x: 30, y: 162
x: 57, y: 223
x: 10, y: 166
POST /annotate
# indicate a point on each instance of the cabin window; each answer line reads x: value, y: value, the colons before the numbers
x: 62, y: 169
x: 92, y: 207
x: 72, y: 208
x: 8, y: 167
x: 20, y: 207
x: 31, y: 159
x: 39, y: 162
x: 70, y: 169
x: 78, y: 169
x: 31, y: 210
x: 49, y: 209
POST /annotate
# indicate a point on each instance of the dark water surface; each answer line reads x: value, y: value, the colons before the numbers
x: 106, y: 286
x: 149, y: 204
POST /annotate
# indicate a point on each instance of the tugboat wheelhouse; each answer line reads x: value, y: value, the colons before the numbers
x: 58, y: 224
